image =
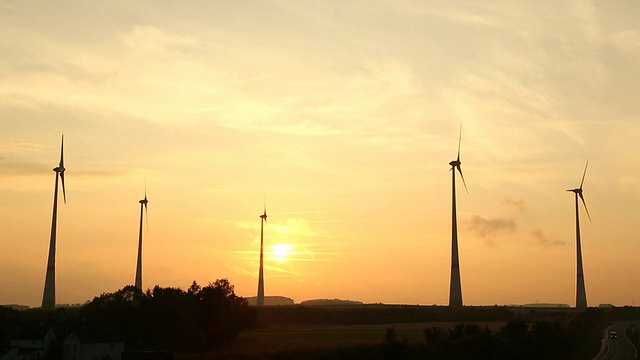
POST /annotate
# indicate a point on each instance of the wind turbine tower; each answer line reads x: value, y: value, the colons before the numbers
x: 455, y: 288
x: 49, y: 295
x: 143, y: 204
x: 581, y: 295
x: 263, y: 220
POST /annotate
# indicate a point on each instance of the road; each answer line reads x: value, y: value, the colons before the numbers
x: 620, y: 348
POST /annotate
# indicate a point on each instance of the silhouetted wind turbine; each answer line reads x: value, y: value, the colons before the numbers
x: 143, y: 204
x: 263, y: 220
x: 581, y: 294
x: 49, y: 295
x: 455, y: 288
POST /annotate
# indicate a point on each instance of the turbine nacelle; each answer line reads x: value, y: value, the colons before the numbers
x: 455, y: 164
x: 144, y: 201
x: 578, y: 191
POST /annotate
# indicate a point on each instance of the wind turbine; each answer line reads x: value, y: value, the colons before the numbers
x: 49, y: 295
x: 581, y: 295
x: 455, y: 288
x: 263, y: 220
x: 143, y: 204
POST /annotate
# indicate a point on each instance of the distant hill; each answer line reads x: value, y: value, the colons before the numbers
x: 545, y: 305
x: 16, y: 306
x: 271, y: 300
x: 324, y: 302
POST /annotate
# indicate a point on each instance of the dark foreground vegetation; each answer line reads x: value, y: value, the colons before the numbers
x: 211, y: 322
x: 515, y: 341
x: 169, y: 319
x: 499, y: 333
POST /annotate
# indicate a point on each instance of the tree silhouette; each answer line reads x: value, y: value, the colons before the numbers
x: 170, y: 318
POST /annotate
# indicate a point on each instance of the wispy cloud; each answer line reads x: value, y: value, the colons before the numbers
x: 237, y: 269
x: 544, y: 240
x: 19, y: 147
x: 251, y: 225
x: 224, y: 190
x: 627, y: 41
x: 307, y: 212
x: 489, y: 228
x: 149, y: 39
x: 23, y: 168
x: 100, y: 174
x: 519, y: 204
x: 475, y: 14
x: 279, y: 270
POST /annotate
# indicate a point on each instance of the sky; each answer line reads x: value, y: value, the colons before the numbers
x: 344, y: 117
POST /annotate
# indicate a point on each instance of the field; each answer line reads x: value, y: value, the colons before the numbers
x: 360, y: 332
x: 285, y: 338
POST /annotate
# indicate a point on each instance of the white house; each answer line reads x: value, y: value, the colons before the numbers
x: 93, y: 345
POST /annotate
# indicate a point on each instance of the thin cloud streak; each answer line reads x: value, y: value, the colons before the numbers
x: 489, y: 229
x: 544, y: 240
x: 519, y: 204
x: 18, y: 168
x: 20, y: 147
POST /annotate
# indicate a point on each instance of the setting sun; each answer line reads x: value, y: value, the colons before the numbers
x: 281, y: 251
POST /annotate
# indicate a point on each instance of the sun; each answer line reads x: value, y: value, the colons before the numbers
x: 281, y: 251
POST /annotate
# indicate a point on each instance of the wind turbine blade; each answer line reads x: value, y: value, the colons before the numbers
x: 62, y: 152
x: 146, y: 212
x: 459, y: 142
x: 61, y: 166
x: 264, y: 200
x: 64, y: 193
x: 585, y: 205
x: 462, y: 176
x: 584, y: 174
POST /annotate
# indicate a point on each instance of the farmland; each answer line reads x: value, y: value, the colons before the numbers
x: 319, y: 332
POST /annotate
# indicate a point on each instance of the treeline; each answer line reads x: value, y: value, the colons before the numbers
x: 516, y: 340
x: 577, y: 338
x: 197, y: 319
x: 574, y: 338
x: 171, y: 319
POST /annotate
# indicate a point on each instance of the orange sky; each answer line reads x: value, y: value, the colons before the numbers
x: 346, y: 115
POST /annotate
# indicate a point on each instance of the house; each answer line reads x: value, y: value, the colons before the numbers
x: 32, y: 344
x: 96, y: 344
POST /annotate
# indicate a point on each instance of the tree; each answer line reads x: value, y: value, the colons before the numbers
x: 170, y: 318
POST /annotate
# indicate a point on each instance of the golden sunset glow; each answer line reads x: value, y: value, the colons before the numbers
x: 344, y: 117
x: 281, y: 252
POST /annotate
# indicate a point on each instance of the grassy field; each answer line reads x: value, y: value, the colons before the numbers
x: 285, y: 338
x: 358, y: 332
